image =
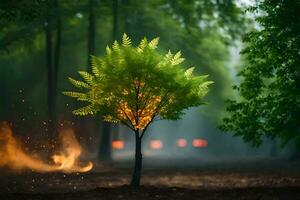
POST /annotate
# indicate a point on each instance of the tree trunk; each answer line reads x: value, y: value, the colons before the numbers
x: 105, y: 149
x: 48, y: 41
x: 274, y: 149
x: 136, y: 176
x: 91, y: 33
x: 115, y: 13
x: 57, y: 51
x: 127, y: 12
x: 105, y: 146
x: 52, y: 60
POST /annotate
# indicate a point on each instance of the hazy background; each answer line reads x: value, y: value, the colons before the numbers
x: 39, y: 38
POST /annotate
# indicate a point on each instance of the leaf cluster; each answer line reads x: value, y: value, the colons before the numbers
x: 133, y: 85
x: 270, y: 104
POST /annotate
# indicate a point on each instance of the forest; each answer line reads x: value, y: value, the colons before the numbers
x: 216, y: 81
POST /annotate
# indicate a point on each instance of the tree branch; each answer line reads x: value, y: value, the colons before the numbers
x: 124, y: 122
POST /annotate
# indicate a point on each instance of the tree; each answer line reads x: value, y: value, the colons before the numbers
x: 201, y: 29
x: 136, y: 85
x: 270, y: 97
x: 91, y: 32
x: 105, y: 146
x: 53, y: 13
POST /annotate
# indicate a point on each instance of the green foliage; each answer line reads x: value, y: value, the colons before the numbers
x: 213, y: 15
x: 270, y: 103
x: 203, y: 42
x: 133, y: 85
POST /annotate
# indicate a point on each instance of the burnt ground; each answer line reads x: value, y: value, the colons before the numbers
x: 260, y: 179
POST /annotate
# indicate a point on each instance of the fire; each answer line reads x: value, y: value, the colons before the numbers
x: 13, y: 156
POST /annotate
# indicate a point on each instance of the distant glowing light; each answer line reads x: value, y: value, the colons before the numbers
x: 181, y: 143
x: 156, y: 144
x: 200, y: 143
x: 118, y: 144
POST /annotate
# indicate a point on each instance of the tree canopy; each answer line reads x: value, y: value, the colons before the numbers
x: 133, y: 85
x: 270, y: 98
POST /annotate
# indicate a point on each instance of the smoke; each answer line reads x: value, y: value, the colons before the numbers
x: 14, y: 157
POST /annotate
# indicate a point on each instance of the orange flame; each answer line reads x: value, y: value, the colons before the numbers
x: 14, y: 157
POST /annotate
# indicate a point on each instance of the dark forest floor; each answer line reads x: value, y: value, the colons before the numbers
x: 170, y: 183
x: 150, y: 192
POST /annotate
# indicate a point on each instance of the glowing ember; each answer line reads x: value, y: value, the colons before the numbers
x: 181, y: 143
x: 199, y: 143
x: 117, y: 144
x: 13, y: 156
x: 156, y: 144
x: 137, y: 116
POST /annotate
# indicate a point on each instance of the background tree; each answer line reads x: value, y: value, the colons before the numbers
x: 270, y: 98
x: 135, y: 85
x: 53, y: 22
x: 105, y: 150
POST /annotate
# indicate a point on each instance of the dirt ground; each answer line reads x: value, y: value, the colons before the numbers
x: 111, y: 182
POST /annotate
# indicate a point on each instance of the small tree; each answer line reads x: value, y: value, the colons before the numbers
x: 135, y: 85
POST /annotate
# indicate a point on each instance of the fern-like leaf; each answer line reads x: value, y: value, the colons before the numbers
x: 79, y: 84
x: 87, y: 110
x: 116, y: 46
x: 75, y: 94
x: 168, y: 56
x: 111, y: 119
x: 95, y: 64
x: 189, y: 72
x: 153, y: 43
x: 177, y: 55
x: 87, y: 77
x: 177, y: 59
x: 203, y: 88
x: 142, y: 45
x: 126, y: 42
x: 108, y: 50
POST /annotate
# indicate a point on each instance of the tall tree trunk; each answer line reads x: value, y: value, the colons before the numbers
x: 52, y: 60
x: 48, y: 41
x: 105, y: 146
x: 90, y: 126
x: 57, y: 50
x: 127, y: 12
x: 91, y: 32
x: 136, y: 176
x: 115, y: 13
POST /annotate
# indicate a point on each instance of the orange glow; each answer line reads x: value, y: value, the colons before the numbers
x: 140, y: 117
x: 200, y: 143
x: 143, y: 115
x: 181, y: 143
x: 156, y: 144
x: 13, y: 156
x: 118, y: 144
